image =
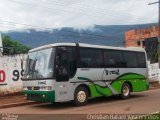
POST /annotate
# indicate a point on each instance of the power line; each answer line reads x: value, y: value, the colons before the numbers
x: 66, y: 11
x: 109, y: 15
x: 93, y: 35
x: 114, y: 43
x: 23, y: 24
x: 46, y: 28
x: 60, y: 3
x: 153, y: 3
x: 82, y: 5
x: 116, y: 17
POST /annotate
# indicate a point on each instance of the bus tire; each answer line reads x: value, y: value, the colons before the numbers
x: 125, y: 91
x: 81, y: 96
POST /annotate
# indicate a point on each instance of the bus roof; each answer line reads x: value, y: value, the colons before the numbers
x: 88, y: 46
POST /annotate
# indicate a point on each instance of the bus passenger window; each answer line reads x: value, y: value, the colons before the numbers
x: 113, y: 59
x: 130, y: 59
x: 141, y: 59
x: 91, y: 58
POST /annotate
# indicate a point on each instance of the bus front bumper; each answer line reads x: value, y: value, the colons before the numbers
x: 41, y: 96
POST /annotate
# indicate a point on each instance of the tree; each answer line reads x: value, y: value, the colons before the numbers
x: 13, y: 47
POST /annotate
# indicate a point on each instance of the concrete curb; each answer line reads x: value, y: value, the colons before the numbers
x: 18, y: 104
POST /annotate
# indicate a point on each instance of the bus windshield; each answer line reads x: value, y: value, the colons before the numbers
x: 40, y: 64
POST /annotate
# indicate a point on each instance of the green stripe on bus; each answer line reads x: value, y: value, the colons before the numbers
x: 138, y: 82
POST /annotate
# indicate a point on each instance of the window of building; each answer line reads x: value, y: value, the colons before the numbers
x: 143, y: 43
x: 139, y: 43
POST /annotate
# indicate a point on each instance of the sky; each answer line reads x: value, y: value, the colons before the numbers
x: 80, y: 14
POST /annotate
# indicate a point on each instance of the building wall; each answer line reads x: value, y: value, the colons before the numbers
x: 11, y: 72
x: 153, y: 72
x: 133, y: 36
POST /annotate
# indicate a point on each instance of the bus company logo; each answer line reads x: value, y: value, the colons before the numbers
x: 112, y: 72
x: 42, y: 83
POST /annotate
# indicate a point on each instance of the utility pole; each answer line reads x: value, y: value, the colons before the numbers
x: 158, y: 51
x: 1, y: 45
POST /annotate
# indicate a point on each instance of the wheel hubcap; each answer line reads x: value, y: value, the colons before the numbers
x: 126, y: 91
x: 81, y: 96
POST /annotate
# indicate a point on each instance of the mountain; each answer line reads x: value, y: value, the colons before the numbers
x: 112, y: 35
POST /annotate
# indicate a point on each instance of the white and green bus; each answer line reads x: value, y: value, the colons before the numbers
x: 75, y: 72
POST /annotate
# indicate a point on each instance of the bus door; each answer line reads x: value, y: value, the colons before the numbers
x: 65, y: 69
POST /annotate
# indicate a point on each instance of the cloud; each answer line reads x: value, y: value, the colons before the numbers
x: 74, y: 13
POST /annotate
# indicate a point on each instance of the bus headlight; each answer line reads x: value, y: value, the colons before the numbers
x: 45, y: 88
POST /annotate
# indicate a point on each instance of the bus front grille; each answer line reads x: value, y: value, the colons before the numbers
x: 34, y: 96
x: 33, y: 88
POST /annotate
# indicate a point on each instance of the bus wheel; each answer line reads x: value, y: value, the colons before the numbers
x: 125, y: 91
x: 81, y: 96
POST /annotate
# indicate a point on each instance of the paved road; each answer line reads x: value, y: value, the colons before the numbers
x: 146, y: 102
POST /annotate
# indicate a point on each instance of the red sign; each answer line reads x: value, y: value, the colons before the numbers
x: 2, y: 76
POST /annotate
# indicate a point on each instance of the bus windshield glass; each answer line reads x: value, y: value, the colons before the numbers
x: 40, y: 64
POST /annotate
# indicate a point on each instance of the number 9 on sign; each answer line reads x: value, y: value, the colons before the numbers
x: 16, y: 75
